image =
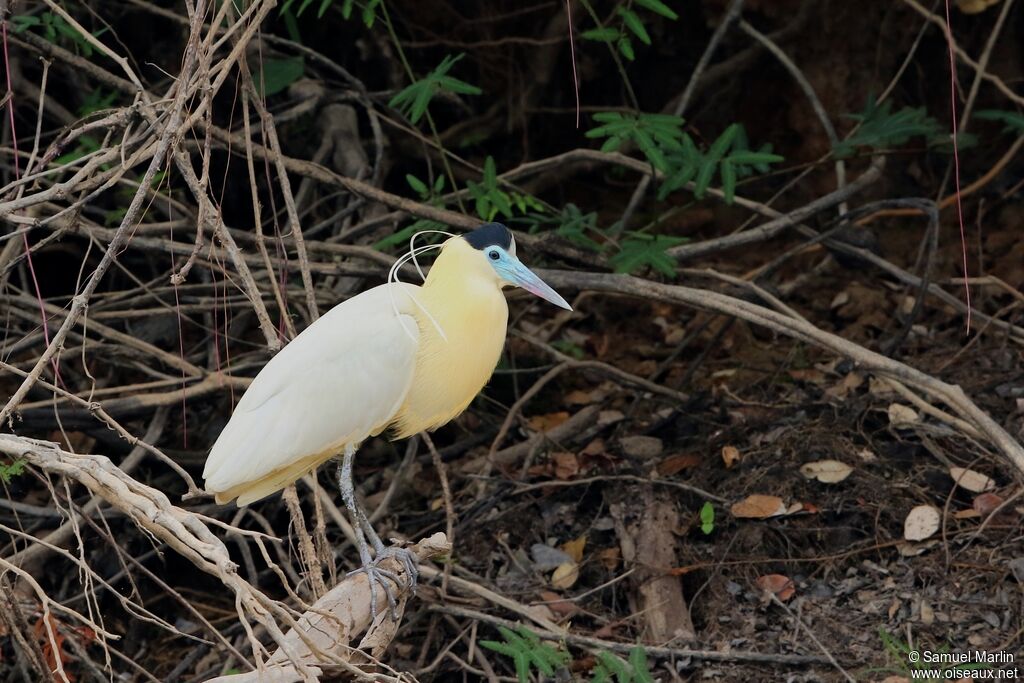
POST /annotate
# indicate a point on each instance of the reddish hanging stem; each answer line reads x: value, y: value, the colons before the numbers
x: 956, y: 159
x: 17, y: 176
x: 572, y: 54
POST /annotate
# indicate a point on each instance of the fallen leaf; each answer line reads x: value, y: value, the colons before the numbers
x: 780, y: 586
x: 867, y: 455
x: 543, y: 423
x: 643, y: 447
x: 975, y: 6
x: 914, y: 549
x: 730, y: 456
x: 987, y: 503
x: 840, y: 300
x: 975, y: 482
x: 847, y: 384
x: 609, y: 417
x: 557, y: 604
x: 809, y: 375
x: 610, y: 557
x: 566, y: 465
x: 922, y: 522
x: 579, y: 398
x: 900, y: 414
x: 826, y: 471
x: 565, y: 575
x: 676, y: 463
x: 758, y: 506
x: 574, y: 548
x: 969, y: 513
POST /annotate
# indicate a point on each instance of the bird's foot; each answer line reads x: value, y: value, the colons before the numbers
x: 385, y: 578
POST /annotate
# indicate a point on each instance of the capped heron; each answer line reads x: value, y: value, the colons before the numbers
x: 397, y: 357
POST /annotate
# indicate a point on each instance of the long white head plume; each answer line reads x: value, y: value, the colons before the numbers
x: 393, y: 278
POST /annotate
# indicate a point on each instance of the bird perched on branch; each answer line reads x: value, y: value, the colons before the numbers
x: 397, y: 357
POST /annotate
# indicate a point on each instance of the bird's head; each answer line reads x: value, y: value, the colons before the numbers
x: 490, y: 250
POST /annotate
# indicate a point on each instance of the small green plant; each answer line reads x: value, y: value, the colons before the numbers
x: 87, y: 144
x: 11, y: 470
x: 296, y: 8
x: 492, y: 200
x: 56, y: 30
x: 277, y: 74
x: 640, y: 249
x: 881, y: 127
x: 414, y: 99
x: 528, y: 652
x: 611, y: 668
x: 729, y: 156
x: 1014, y: 121
x: 905, y: 663
x: 653, y: 134
x: 430, y: 194
x: 571, y: 223
x: 707, y: 518
x: 630, y: 26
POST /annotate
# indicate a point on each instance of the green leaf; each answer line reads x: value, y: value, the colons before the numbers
x: 605, y: 34
x: 278, y: 74
x: 418, y: 186
x: 414, y: 99
x: 881, y: 128
x: 641, y: 250
x: 728, y: 172
x: 626, y: 48
x: 1014, y: 120
x: 632, y: 21
x: 658, y: 7
x: 346, y: 8
x: 527, y: 652
x: 11, y: 470
x: 402, y: 236
x: 638, y: 661
x: 707, y: 518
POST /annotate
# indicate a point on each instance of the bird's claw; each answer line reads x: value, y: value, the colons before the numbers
x: 375, y: 575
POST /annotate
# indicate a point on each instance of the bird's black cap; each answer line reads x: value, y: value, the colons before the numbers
x: 490, y: 234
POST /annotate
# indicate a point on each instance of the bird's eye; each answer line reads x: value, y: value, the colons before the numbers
x: 494, y: 255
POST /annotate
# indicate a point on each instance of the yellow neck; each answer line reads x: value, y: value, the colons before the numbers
x: 464, y: 299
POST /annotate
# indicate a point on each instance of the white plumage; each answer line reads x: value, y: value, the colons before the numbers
x: 339, y: 381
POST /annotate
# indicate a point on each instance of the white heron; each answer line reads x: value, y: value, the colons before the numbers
x: 397, y: 357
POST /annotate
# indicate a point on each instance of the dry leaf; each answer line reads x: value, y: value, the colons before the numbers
x: 579, y: 398
x: 781, y: 586
x: 809, y: 375
x: 975, y: 6
x: 758, y: 506
x: 610, y: 557
x: 867, y: 455
x: 574, y: 548
x: 565, y: 575
x: 900, y: 414
x: 826, y: 471
x: 922, y: 522
x: 554, y: 602
x: 730, y: 456
x: 915, y: 549
x: 969, y: 513
x: 676, y: 463
x: 987, y: 503
x: 566, y: 465
x: 543, y: 423
x: 975, y: 482
x: 847, y: 384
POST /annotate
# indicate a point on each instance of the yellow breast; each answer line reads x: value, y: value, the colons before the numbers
x: 466, y: 303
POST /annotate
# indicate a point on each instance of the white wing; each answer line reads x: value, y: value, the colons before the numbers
x: 339, y: 381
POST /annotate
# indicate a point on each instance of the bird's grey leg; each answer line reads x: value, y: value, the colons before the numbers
x: 374, y: 573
